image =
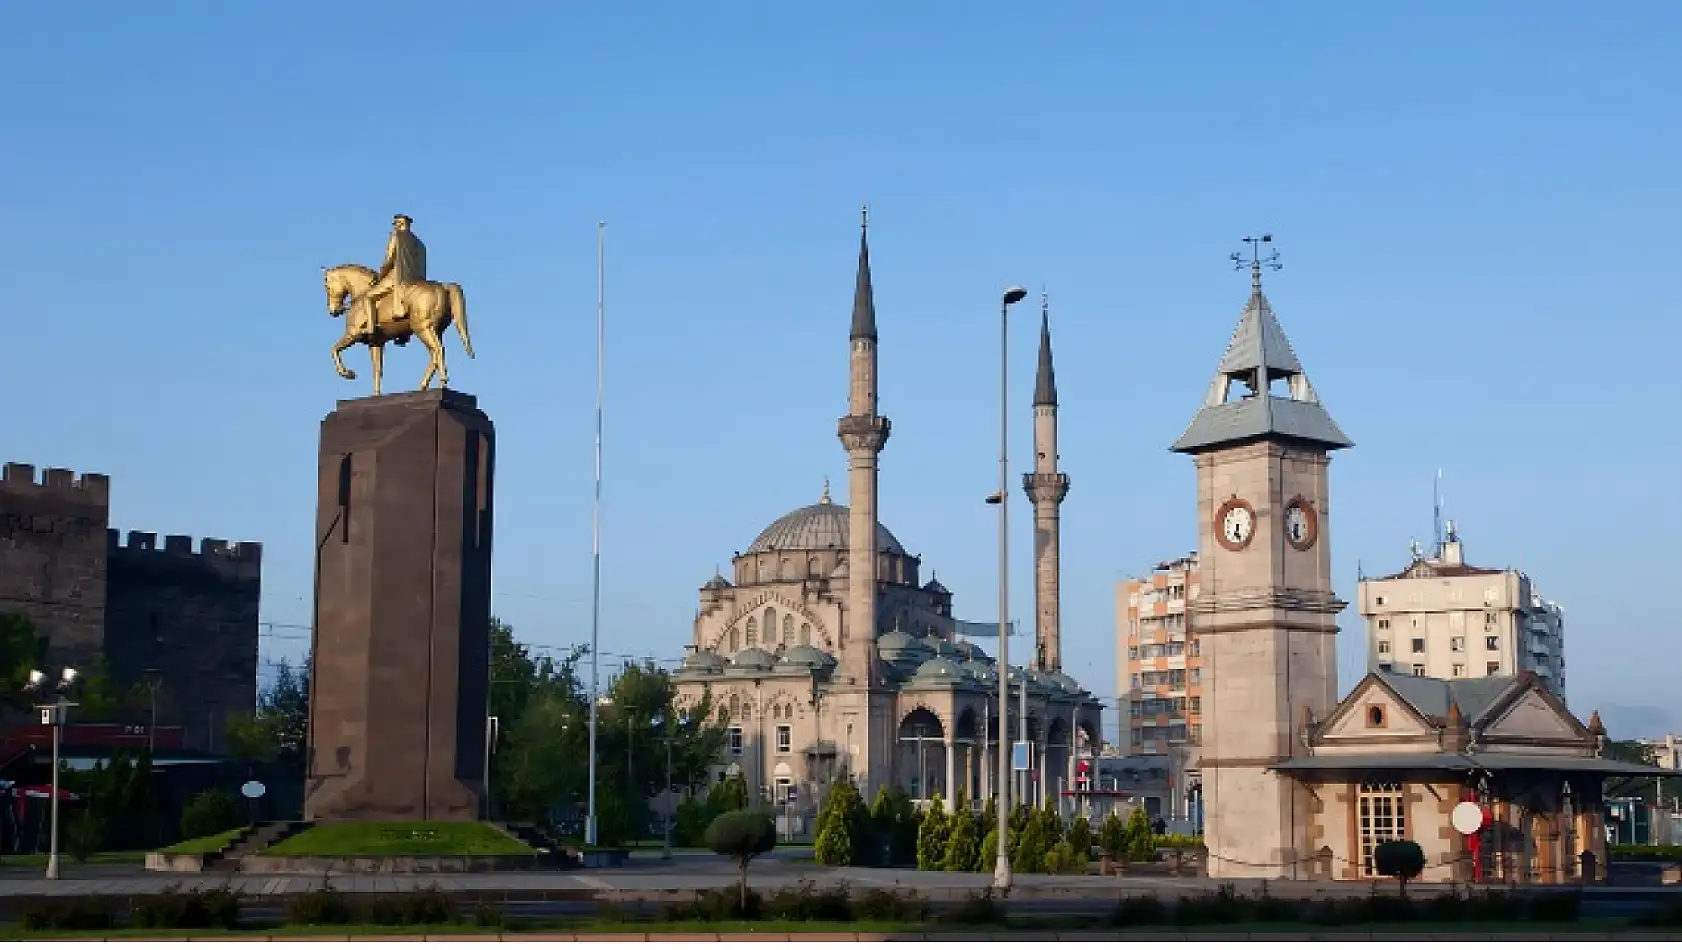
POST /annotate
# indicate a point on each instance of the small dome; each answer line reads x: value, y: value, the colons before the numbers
x: 717, y: 583
x: 703, y: 660
x: 940, y: 668
x: 935, y: 587
x: 806, y: 656
x: 1066, y: 682
x: 818, y: 527
x: 896, y: 642
x: 981, y: 670
x: 753, y: 658
x: 969, y: 649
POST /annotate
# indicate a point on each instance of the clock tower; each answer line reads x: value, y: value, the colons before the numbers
x: 1265, y: 615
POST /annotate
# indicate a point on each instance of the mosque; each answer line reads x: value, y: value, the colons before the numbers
x: 815, y: 692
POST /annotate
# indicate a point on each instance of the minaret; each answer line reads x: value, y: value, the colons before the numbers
x: 1265, y: 613
x: 863, y: 433
x: 1046, y: 487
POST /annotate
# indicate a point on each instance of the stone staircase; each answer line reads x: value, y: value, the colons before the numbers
x: 530, y: 835
x: 255, y: 840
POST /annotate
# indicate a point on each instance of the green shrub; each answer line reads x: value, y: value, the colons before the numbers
x: 841, y: 826
x: 325, y: 906
x: 76, y: 913
x: 742, y: 835
x: 175, y: 909
x: 428, y: 905
x: 714, y: 906
x: 805, y: 902
x: 1141, y: 910
x: 988, y: 854
x: 210, y: 812
x: 487, y: 915
x: 977, y: 910
x: 884, y: 905
x: 1645, y: 852
x: 1064, y: 859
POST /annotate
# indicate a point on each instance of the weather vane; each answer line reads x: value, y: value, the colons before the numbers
x: 1257, y: 260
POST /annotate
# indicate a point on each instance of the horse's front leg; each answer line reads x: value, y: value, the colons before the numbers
x: 344, y: 343
x: 376, y: 353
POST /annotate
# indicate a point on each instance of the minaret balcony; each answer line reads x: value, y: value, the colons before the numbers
x: 1046, y: 486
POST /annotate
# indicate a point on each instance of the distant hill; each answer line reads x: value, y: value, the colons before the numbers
x: 1639, y: 722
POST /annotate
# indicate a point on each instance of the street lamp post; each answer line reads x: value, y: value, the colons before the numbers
x: 53, y: 714
x: 1001, y: 864
x: 671, y: 798
x: 154, y: 679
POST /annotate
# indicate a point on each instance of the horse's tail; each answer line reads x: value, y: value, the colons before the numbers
x: 458, y: 309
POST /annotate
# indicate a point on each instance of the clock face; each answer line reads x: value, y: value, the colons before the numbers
x: 1301, y: 524
x: 1235, y: 525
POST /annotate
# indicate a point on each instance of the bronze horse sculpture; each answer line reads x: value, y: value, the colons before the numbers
x: 429, y: 309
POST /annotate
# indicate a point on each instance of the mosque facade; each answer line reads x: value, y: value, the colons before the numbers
x: 813, y: 692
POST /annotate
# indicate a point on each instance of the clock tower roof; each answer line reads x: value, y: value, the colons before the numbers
x: 1257, y: 356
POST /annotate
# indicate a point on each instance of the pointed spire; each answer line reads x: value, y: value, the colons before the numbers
x: 1258, y: 355
x: 864, y: 297
x: 1595, y: 725
x: 1045, y: 381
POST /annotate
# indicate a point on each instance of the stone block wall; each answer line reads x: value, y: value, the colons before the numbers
x: 52, y: 557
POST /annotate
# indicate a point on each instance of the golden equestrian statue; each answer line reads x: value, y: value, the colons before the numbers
x: 394, y: 303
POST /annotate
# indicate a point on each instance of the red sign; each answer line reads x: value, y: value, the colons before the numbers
x: 101, y: 736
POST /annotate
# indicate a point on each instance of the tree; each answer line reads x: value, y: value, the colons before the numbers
x: 962, y: 843
x: 839, y: 823
x: 210, y: 812
x: 1112, y: 840
x: 1140, y: 843
x: 1402, y: 860
x: 932, y: 833
x: 743, y: 835
x: 988, y: 856
x: 1080, y: 836
x: 987, y: 824
x: 1636, y: 752
x: 20, y: 652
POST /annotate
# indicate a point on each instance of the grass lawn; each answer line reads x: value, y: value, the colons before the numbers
x: 373, y: 838
x: 210, y: 844
x: 99, y: 857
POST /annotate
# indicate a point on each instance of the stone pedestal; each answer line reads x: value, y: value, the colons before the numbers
x: 400, y: 677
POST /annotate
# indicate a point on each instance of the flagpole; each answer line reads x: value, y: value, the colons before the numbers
x: 596, y: 531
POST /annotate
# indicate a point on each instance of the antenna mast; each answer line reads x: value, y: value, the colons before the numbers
x: 1437, y: 511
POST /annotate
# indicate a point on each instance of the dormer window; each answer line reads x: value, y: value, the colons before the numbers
x: 1375, y: 717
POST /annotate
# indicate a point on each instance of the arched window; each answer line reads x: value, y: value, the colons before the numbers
x: 753, y: 632
x: 770, y: 626
x: 805, y: 634
x: 735, y: 642
x: 788, y: 630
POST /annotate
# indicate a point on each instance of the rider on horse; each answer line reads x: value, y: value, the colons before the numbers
x: 405, y: 263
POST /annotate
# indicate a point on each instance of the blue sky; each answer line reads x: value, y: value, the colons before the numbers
x: 1477, y: 208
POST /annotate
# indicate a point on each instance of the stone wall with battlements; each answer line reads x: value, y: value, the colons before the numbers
x: 52, y: 557
x: 191, y: 615
x: 135, y: 603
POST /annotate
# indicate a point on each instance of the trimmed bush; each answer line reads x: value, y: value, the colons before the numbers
x: 743, y: 835
x: 1400, y: 859
x: 175, y: 909
x: 210, y: 812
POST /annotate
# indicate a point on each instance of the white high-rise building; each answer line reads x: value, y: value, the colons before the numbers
x: 1444, y: 618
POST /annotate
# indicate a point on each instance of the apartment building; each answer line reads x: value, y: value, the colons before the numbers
x: 1159, y: 674
x: 1445, y: 618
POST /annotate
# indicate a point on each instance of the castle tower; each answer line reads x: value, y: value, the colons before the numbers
x: 866, y: 708
x: 1046, y: 487
x: 1266, y: 613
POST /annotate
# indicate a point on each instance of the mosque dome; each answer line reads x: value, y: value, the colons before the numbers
x: 805, y: 656
x: 819, y: 527
x: 753, y: 658
x: 703, y: 660
x: 981, y: 670
x: 940, y: 668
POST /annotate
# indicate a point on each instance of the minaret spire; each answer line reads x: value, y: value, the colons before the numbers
x: 1045, y: 379
x: 1046, y: 488
x: 864, y: 296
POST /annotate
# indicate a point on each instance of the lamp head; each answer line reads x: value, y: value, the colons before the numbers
x: 36, y: 679
x: 68, y: 677
x: 1014, y: 294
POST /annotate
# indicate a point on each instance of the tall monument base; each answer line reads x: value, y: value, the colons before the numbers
x: 401, y: 650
